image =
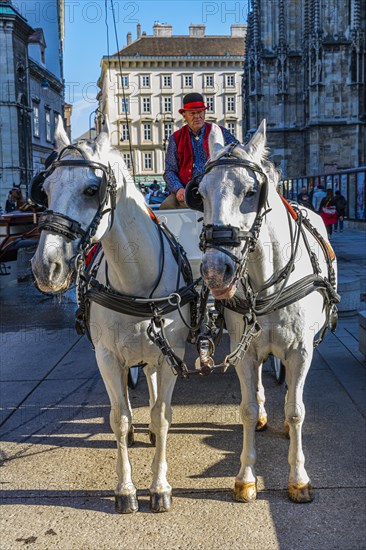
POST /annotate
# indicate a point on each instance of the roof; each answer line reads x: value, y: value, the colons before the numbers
x: 184, y: 46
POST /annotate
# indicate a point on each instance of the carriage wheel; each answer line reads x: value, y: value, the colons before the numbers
x: 133, y: 376
x: 278, y: 369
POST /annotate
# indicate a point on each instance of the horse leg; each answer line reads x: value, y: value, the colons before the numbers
x: 161, y: 417
x: 261, y: 399
x: 299, y: 486
x: 115, y: 380
x: 245, y: 489
x: 151, y: 377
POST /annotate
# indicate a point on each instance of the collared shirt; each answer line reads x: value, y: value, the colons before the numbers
x: 199, y: 157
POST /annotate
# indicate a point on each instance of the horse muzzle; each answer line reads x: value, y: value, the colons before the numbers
x: 218, y: 272
x: 50, y: 269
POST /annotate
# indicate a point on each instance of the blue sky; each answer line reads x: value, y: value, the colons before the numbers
x: 86, y: 38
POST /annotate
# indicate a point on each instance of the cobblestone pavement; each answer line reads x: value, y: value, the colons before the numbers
x: 58, y: 467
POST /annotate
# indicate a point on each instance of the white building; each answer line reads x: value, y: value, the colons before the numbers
x: 143, y: 87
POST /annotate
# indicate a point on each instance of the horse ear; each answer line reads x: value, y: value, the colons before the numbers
x: 61, y: 136
x: 257, y: 145
x: 215, y: 140
x: 103, y: 139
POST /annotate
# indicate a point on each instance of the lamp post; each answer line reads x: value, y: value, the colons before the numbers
x: 163, y: 118
x: 97, y: 110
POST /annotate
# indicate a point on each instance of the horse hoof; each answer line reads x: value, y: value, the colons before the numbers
x: 152, y: 438
x: 261, y: 424
x: 131, y: 437
x: 245, y: 492
x: 126, y: 504
x: 300, y: 492
x: 160, y: 502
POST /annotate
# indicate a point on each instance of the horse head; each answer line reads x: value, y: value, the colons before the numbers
x: 79, y: 192
x: 233, y: 191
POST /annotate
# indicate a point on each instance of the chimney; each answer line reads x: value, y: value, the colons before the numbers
x: 138, y: 31
x: 162, y: 29
x: 197, y: 31
x: 129, y: 38
x: 238, y: 30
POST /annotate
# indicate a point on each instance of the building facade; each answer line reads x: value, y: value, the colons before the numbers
x: 305, y: 74
x: 31, y: 98
x: 143, y: 87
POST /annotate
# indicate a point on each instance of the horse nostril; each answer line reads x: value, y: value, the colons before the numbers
x: 55, y: 270
x: 229, y: 271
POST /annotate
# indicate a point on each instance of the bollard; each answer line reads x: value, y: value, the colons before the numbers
x: 349, y: 290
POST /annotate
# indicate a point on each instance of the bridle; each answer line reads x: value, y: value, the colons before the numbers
x: 64, y: 225
x: 228, y: 236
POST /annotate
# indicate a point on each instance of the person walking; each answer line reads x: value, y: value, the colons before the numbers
x: 341, y: 205
x: 303, y: 198
x: 187, y: 151
x: 328, y: 211
x: 318, y: 196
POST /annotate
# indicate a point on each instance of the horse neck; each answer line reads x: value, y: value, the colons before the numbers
x: 272, y: 250
x: 132, y: 246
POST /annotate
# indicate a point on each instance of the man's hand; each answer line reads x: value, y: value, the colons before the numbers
x: 180, y: 195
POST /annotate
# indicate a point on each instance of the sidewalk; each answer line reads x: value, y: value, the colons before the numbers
x: 59, y: 454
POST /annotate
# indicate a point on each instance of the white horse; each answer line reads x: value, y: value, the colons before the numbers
x: 254, y: 253
x: 80, y: 206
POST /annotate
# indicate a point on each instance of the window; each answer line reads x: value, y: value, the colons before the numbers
x: 210, y: 103
x: 188, y: 81
x: 148, y: 161
x: 146, y: 104
x: 125, y: 81
x: 36, y: 120
x: 48, y: 125
x: 167, y: 81
x: 145, y: 81
x: 124, y: 132
x: 230, y: 80
x: 209, y: 80
x: 168, y: 130
x: 230, y: 104
x: 167, y: 105
x: 147, y: 132
x: 231, y: 126
x: 125, y: 105
x: 127, y: 159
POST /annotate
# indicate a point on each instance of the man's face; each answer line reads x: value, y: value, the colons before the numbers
x: 194, y: 119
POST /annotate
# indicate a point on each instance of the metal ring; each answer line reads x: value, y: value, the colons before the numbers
x: 178, y: 298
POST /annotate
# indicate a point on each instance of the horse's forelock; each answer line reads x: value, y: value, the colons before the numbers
x: 273, y: 174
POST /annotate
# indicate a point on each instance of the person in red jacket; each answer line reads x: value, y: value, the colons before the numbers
x: 187, y: 151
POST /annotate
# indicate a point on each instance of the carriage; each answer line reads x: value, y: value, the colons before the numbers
x: 266, y: 263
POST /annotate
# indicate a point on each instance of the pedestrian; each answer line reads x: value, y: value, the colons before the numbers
x: 303, y: 198
x: 15, y: 200
x: 154, y: 191
x: 10, y: 202
x: 188, y: 151
x: 318, y: 196
x: 341, y: 205
x: 52, y: 156
x: 328, y: 211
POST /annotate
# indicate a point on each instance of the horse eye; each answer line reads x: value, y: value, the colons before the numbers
x: 250, y: 194
x: 91, y: 190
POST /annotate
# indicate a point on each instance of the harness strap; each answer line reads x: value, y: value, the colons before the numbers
x: 138, y: 307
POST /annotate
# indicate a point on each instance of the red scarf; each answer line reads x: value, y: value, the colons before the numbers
x: 183, y: 142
